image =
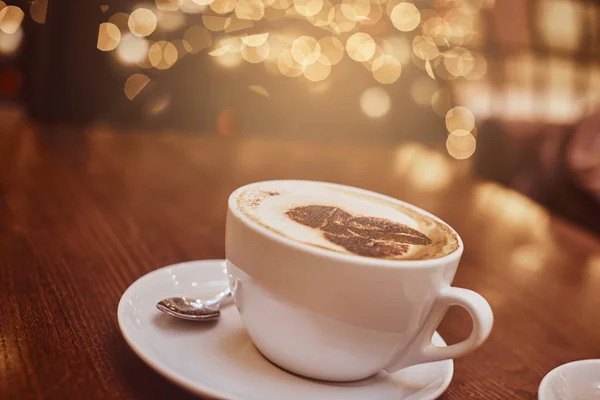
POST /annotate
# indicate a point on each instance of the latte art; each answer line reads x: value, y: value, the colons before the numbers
x: 346, y: 221
x: 365, y: 236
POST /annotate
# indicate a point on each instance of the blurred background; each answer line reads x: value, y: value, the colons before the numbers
x: 503, y: 90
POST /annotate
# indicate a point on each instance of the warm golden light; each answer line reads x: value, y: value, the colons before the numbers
x: 559, y: 23
x: 10, y: 43
x: 306, y: 50
x: 438, y: 29
x: 142, y: 22
x: 258, y: 90
x: 38, y: 10
x: 317, y: 71
x: 215, y: 23
x: 324, y: 17
x: 425, y: 48
x: 162, y: 55
x: 375, y: 102
x: 168, y: 5
x: 132, y: 50
x: 134, y: 85
x: 339, y: 23
x: 386, y: 69
x: 235, y: 24
x: 170, y: 21
x: 360, y: 46
x: 198, y: 38
x: 192, y: 7
x: 479, y: 68
x: 399, y: 47
x: 405, y: 17
x: 356, y: 10
x: 250, y: 9
x: 10, y: 19
x: 229, y: 59
x: 256, y: 54
x: 459, y: 62
x: 255, y: 40
x: 460, y: 118
x: 288, y: 65
x: 461, y: 146
x: 223, y: 6
x: 109, y: 37
x: 308, y: 8
x: 426, y: 169
x: 332, y: 50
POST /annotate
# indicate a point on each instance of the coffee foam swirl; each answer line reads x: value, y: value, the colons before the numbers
x: 330, y: 217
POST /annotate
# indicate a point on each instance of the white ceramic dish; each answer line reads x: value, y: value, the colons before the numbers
x: 218, y: 359
x: 577, y: 380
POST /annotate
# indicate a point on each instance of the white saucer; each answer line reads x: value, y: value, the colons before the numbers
x: 219, y: 359
x: 575, y: 380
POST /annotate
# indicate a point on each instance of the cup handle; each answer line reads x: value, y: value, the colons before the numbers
x: 422, y: 350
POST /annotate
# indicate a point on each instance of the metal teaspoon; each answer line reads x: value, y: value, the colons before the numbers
x: 194, y: 309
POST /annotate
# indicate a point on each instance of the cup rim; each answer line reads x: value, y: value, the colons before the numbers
x: 314, y: 250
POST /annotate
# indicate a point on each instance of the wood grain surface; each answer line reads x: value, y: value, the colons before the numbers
x: 84, y: 213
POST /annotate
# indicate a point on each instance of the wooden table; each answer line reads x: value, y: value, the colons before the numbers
x: 85, y: 213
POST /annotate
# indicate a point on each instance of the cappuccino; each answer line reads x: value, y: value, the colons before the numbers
x: 339, y: 219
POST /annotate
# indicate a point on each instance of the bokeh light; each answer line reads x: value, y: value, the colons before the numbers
x: 169, y: 5
x: 162, y: 55
x: 375, y: 102
x: 356, y: 10
x: 461, y: 146
x: 256, y: 54
x: 324, y: 16
x: 170, y: 21
x: 198, y: 38
x: 10, y: 19
x: 109, y: 37
x: 405, y: 17
x: 134, y: 85
x: 38, y: 10
x: 460, y: 118
x: 250, y: 9
x: 142, y: 22
x: 559, y: 24
x: 425, y: 48
x: 132, y: 49
x: 259, y: 90
x: 399, y: 47
x: 306, y: 50
x: 386, y: 69
x: 215, y: 23
x: 332, y: 50
x: 308, y: 8
x: 360, y: 46
x: 339, y: 23
x: 257, y: 39
x: 287, y: 64
x: 223, y: 6
x: 10, y: 42
x: 426, y: 169
x: 317, y: 71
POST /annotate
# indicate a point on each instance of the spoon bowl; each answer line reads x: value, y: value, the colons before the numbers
x: 193, y: 309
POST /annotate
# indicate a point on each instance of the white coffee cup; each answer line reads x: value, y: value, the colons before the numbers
x: 341, y: 317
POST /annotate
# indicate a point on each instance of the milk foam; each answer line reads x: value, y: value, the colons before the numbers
x: 268, y: 203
